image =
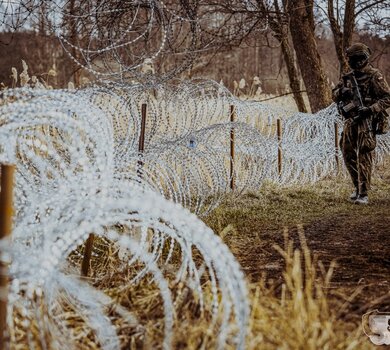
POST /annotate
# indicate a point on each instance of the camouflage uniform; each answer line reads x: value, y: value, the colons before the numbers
x: 358, y: 138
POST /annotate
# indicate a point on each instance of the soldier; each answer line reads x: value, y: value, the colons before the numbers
x: 362, y: 96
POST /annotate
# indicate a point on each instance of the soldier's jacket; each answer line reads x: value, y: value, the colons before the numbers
x: 373, y: 88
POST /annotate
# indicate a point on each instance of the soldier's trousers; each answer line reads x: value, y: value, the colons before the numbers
x: 358, y: 163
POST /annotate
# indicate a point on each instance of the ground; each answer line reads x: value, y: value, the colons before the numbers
x: 356, y: 237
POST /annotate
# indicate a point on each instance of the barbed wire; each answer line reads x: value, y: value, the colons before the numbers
x: 146, y: 40
x: 66, y: 188
x: 80, y: 171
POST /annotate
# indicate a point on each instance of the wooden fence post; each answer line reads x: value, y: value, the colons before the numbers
x: 85, y: 265
x: 279, y: 133
x: 232, y: 120
x: 87, y: 255
x: 336, y: 145
x: 6, y: 212
x: 141, y: 141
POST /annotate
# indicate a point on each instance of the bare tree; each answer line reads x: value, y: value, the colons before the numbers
x: 302, y: 27
x: 342, y: 16
x: 72, y: 25
x: 246, y: 18
x: 342, y: 38
x: 183, y: 30
x: 279, y: 26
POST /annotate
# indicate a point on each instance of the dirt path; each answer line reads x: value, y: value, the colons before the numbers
x: 357, y: 238
x: 360, y: 245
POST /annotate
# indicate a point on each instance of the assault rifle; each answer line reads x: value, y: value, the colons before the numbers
x: 351, y: 108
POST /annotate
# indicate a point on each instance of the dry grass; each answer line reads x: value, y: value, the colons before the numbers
x: 300, y: 306
x: 300, y: 315
x: 301, y: 318
x: 300, y: 310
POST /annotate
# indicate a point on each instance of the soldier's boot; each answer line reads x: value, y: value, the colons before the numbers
x: 362, y: 200
x: 363, y: 194
x: 354, y: 195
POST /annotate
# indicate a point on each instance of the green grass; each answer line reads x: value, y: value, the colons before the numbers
x: 275, y: 206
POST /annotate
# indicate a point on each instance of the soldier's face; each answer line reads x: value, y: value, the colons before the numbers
x: 357, y: 61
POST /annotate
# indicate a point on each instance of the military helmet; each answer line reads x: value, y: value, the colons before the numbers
x: 358, y: 55
x: 358, y: 49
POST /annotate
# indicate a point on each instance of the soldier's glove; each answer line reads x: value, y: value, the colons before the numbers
x: 364, y: 112
x: 346, y: 93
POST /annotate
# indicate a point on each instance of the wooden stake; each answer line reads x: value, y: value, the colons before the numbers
x: 85, y: 265
x: 232, y: 120
x: 336, y: 146
x: 6, y: 211
x: 279, y: 132
x: 141, y: 141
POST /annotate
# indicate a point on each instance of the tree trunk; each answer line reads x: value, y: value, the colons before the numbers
x: 342, y: 40
x: 281, y: 33
x: 42, y: 20
x: 293, y: 75
x: 349, y: 23
x: 73, y: 40
x: 309, y: 60
x: 337, y: 38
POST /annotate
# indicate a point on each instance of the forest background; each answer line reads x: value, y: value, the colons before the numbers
x: 268, y: 52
